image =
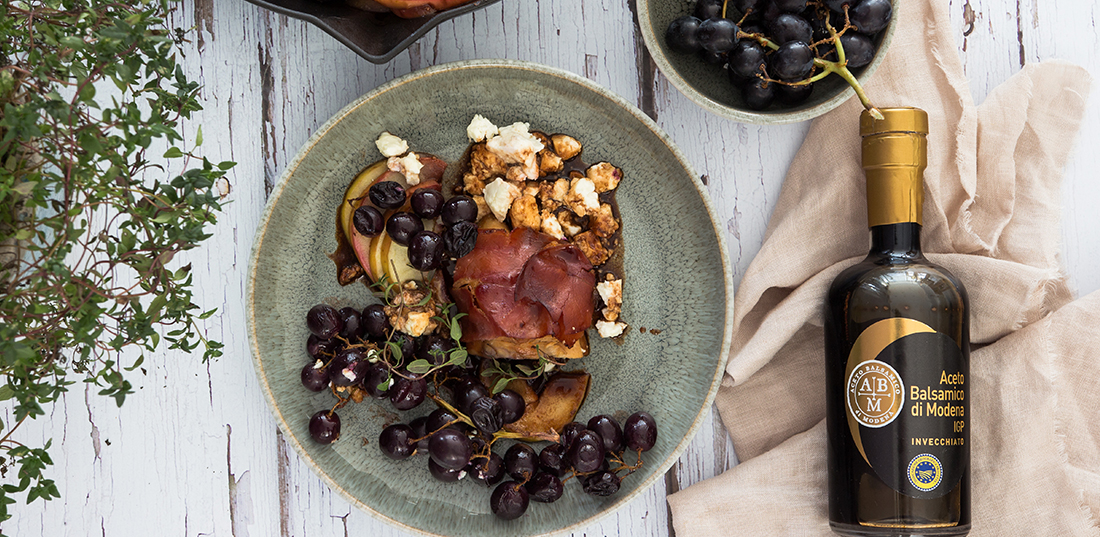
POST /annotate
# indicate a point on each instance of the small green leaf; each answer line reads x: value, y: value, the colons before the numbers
x: 198, y: 137
x: 419, y: 367
x: 395, y: 352
x: 173, y: 152
x: 500, y: 385
x: 458, y: 357
x: 6, y: 392
x: 456, y: 329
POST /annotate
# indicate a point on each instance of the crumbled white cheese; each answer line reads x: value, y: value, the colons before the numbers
x: 551, y: 226
x: 481, y: 129
x: 408, y: 165
x: 582, y: 197
x: 390, y: 145
x: 610, y: 329
x: 610, y: 291
x: 499, y: 196
x: 514, y: 144
x: 373, y: 355
x: 349, y: 374
x: 318, y: 364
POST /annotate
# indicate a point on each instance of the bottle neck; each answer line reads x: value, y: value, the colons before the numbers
x: 900, y: 240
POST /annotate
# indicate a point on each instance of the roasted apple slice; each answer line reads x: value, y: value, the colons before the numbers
x: 557, y: 405
x: 356, y: 196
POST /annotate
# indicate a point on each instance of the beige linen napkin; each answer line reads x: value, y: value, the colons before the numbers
x: 991, y: 216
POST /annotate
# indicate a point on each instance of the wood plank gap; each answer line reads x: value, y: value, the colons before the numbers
x: 267, y: 127
x: 647, y: 70
x: 672, y: 486
x: 283, y: 461
x: 1020, y: 32
x: 232, y: 480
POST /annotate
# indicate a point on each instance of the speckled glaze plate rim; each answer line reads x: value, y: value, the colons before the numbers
x: 744, y: 116
x: 433, y: 21
x: 537, y: 69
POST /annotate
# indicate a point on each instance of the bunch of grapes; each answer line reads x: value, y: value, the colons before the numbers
x: 355, y: 354
x: 776, y: 49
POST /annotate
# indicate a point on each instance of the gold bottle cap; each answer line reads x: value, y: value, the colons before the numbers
x: 902, y: 119
x: 895, y: 153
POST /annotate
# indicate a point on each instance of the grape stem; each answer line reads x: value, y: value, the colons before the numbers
x: 840, y: 67
x: 450, y: 408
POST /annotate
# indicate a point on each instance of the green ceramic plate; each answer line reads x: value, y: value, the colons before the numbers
x: 677, y: 281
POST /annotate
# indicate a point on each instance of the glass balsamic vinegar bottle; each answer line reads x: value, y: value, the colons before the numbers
x: 897, y: 355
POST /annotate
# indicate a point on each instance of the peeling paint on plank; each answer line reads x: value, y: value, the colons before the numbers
x: 204, y: 22
x: 267, y: 125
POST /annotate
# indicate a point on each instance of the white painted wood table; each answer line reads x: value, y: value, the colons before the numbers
x: 196, y: 452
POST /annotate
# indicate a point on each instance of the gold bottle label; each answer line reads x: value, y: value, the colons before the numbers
x: 906, y: 404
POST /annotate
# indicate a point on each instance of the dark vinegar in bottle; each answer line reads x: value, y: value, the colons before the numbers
x: 897, y: 358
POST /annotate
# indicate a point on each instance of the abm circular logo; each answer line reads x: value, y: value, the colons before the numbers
x: 875, y: 394
x: 925, y: 472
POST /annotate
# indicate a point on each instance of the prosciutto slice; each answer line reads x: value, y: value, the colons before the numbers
x: 524, y: 285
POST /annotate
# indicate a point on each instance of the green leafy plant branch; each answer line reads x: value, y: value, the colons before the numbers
x: 89, y: 221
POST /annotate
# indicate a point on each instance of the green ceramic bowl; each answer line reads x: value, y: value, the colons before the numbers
x: 677, y: 280
x: 709, y: 86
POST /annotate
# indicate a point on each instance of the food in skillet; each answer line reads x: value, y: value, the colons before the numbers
x: 406, y: 9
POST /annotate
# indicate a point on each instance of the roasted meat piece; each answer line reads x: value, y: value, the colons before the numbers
x: 519, y: 287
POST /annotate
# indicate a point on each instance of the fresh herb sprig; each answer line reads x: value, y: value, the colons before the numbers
x: 89, y: 220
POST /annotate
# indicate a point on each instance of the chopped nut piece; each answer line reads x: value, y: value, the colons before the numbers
x: 603, y: 222
x: 484, y: 166
x: 525, y: 213
x: 549, y: 162
x: 499, y: 196
x: 609, y: 330
x: 570, y: 223
x: 565, y: 146
x: 592, y: 248
x: 604, y: 176
x: 412, y: 310
x: 542, y: 138
x: 481, y: 129
x: 551, y: 226
x: 515, y: 174
x: 560, y: 190
x: 532, y: 188
x: 582, y: 198
x: 482, y: 207
x: 390, y: 145
x: 611, y: 292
